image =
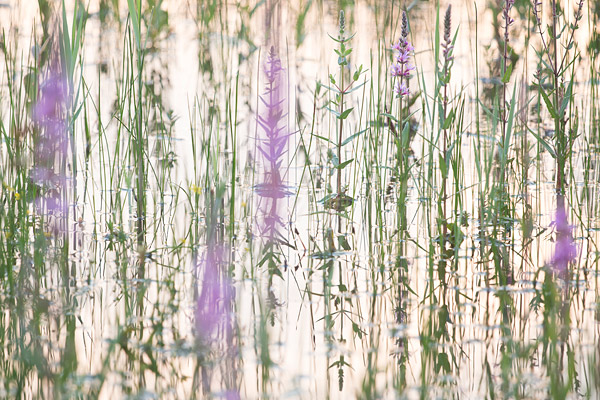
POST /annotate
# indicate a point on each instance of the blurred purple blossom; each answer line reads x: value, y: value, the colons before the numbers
x: 214, y: 314
x: 272, y: 145
x: 232, y: 395
x: 51, y: 141
x: 214, y: 305
x: 49, y: 114
x: 565, y: 250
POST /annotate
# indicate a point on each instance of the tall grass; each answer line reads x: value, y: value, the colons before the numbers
x: 300, y: 226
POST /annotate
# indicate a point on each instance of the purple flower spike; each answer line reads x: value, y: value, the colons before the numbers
x: 402, y: 68
x: 403, y: 58
x: 396, y: 70
x: 401, y: 89
x: 565, y: 250
x: 447, y: 43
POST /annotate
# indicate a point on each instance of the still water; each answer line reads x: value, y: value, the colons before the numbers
x: 191, y: 209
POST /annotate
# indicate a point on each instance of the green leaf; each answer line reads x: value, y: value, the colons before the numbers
x: 567, y: 98
x: 345, y: 114
x: 442, y: 164
x: 507, y: 74
x: 323, y: 138
x: 342, y: 40
x: 357, y: 330
x: 509, y: 124
x: 352, y: 137
x: 355, y: 88
x: 405, y: 134
x: 66, y: 40
x: 448, y: 120
x: 333, y: 157
x: 390, y: 116
x: 442, y: 363
x: 335, y: 90
x: 544, y: 143
x: 548, y: 103
x: 344, y: 164
x: 135, y: 22
x: 357, y: 73
x: 334, y: 112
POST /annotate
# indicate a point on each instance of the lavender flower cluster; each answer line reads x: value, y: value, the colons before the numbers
x: 508, y: 20
x: 402, y: 67
x: 447, y: 44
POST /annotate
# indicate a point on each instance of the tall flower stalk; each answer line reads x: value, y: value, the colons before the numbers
x: 445, y: 121
x: 401, y: 71
x: 342, y: 61
x: 402, y: 68
x: 506, y: 66
x: 341, y: 87
x: 562, y: 96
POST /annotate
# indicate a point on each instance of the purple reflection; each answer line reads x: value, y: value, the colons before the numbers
x: 214, y: 306
x: 273, y: 141
x: 232, y: 395
x: 565, y: 250
x: 51, y: 142
x: 49, y: 114
x: 215, y: 321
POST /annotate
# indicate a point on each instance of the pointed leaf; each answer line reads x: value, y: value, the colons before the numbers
x: 342, y: 165
x: 345, y: 114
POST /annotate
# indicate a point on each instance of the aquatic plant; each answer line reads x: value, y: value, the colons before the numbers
x: 402, y: 67
x: 401, y: 71
x: 342, y: 86
x: 446, y: 119
x: 506, y: 65
x: 559, y: 100
x: 390, y: 183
